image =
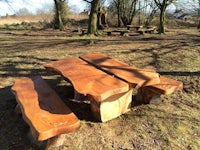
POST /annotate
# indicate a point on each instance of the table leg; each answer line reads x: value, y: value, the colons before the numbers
x: 112, y: 107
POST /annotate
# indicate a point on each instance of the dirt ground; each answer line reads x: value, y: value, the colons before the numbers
x: 170, y: 123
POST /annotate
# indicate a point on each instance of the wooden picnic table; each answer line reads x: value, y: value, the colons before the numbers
x: 106, y: 82
x: 109, y: 96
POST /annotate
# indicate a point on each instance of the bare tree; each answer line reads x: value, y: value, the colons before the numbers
x: 198, y: 14
x: 162, y: 5
x: 126, y: 10
x: 117, y: 6
x: 150, y: 11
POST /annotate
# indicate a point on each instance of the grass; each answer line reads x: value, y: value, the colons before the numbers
x: 172, y: 123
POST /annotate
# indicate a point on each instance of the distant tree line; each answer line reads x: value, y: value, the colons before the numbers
x: 125, y: 10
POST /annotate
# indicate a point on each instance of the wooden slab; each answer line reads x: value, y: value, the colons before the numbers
x: 134, y: 76
x: 166, y: 86
x: 43, y: 110
x: 87, y: 79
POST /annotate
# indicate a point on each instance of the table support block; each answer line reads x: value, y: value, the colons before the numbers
x: 146, y: 96
x: 112, y: 107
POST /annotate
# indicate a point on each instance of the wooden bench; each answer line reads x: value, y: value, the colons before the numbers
x: 42, y: 109
x: 104, y: 92
x: 149, y: 29
x: 135, y: 27
x: 166, y: 86
x: 122, y: 32
x: 148, y: 82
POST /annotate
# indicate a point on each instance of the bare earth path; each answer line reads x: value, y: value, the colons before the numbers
x: 172, y: 122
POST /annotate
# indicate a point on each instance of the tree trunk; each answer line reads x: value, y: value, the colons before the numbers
x: 118, y: 14
x: 92, y: 25
x: 59, y: 22
x: 162, y: 21
x: 198, y: 26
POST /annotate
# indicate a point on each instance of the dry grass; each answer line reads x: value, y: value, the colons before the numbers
x: 78, y: 17
x: 171, y: 123
x: 19, y: 19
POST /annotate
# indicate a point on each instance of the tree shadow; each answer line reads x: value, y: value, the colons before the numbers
x: 180, y: 73
x: 12, y: 126
x: 66, y: 92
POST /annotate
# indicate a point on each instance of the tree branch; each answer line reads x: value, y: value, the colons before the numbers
x: 87, y: 1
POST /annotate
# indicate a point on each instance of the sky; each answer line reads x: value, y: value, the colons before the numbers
x: 34, y: 5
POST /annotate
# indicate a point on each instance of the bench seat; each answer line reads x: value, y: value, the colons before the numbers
x: 166, y: 86
x: 109, y: 97
x: 42, y: 109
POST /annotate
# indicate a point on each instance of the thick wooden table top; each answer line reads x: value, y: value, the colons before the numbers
x: 87, y: 79
x: 134, y: 76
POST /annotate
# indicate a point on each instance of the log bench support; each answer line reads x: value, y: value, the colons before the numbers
x: 42, y: 109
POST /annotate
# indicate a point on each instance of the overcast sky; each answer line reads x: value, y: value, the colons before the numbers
x: 34, y: 5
